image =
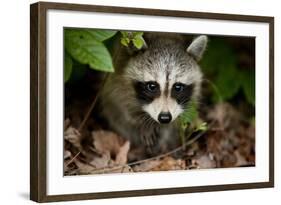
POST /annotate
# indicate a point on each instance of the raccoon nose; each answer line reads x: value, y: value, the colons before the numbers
x: 164, y: 117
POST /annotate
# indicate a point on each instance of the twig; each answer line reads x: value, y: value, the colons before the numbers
x: 93, y: 105
x: 102, y: 85
x: 108, y: 169
x: 70, y: 161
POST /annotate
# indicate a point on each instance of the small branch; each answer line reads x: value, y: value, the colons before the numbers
x: 92, y: 105
x: 88, y: 113
x: 108, y: 169
x: 114, y: 57
x: 70, y: 161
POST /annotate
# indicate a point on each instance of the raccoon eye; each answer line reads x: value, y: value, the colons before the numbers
x: 151, y: 86
x: 178, y: 87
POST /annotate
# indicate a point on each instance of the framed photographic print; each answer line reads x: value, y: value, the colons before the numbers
x: 134, y: 102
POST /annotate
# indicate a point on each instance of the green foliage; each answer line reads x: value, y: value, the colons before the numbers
x: 67, y: 67
x: 134, y: 37
x: 220, y: 64
x: 78, y: 71
x: 248, y: 84
x: 189, y: 116
x: 190, y: 113
x: 86, y: 47
x: 202, y: 127
x: 91, y: 47
x: 101, y: 35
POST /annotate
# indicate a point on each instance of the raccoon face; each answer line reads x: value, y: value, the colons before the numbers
x: 163, y: 105
x: 166, y: 77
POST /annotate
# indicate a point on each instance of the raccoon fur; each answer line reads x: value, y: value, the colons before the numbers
x: 151, y: 87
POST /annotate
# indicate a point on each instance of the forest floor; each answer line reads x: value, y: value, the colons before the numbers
x: 229, y: 141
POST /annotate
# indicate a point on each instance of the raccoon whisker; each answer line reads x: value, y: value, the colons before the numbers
x: 151, y: 131
x: 146, y: 120
x: 143, y: 117
x: 145, y: 130
x: 152, y: 122
x: 148, y: 123
x: 143, y: 120
x: 154, y: 129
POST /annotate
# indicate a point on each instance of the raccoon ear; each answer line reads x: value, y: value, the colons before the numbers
x: 197, y: 47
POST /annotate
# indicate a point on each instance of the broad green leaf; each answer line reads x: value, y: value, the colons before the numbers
x: 228, y: 81
x: 101, y: 35
x: 137, y: 34
x: 248, y: 84
x: 186, y: 118
x: 219, y: 55
x: 190, y: 113
x: 138, y: 42
x: 67, y: 66
x: 84, y: 48
x: 220, y: 62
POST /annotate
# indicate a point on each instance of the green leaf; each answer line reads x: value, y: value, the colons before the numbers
x: 186, y: 118
x: 138, y: 42
x: 84, y: 48
x: 219, y: 55
x: 134, y: 37
x: 125, y: 41
x: 227, y: 81
x: 67, y: 67
x: 125, y: 34
x: 189, y: 114
x: 220, y: 63
x: 202, y: 127
x: 101, y: 35
x: 137, y: 34
x: 78, y: 71
x: 248, y: 85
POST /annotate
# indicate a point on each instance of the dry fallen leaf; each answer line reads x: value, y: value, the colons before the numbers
x: 146, y: 166
x: 165, y: 164
x: 106, y: 141
x: 169, y: 163
x: 109, y: 142
x: 96, y: 166
x: 241, y: 161
x: 204, y: 162
x: 112, y: 151
x: 66, y: 154
x: 73, y: 136
x: 122, y: 155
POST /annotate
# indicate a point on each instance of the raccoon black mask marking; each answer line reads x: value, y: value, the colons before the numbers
x: 182, y: 93
x: 151, y: 88
x: 146, y: 92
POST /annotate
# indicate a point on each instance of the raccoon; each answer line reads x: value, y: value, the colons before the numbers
x: 151, y: 87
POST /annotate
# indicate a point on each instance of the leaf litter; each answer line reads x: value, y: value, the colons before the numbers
x: 229, y: 142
